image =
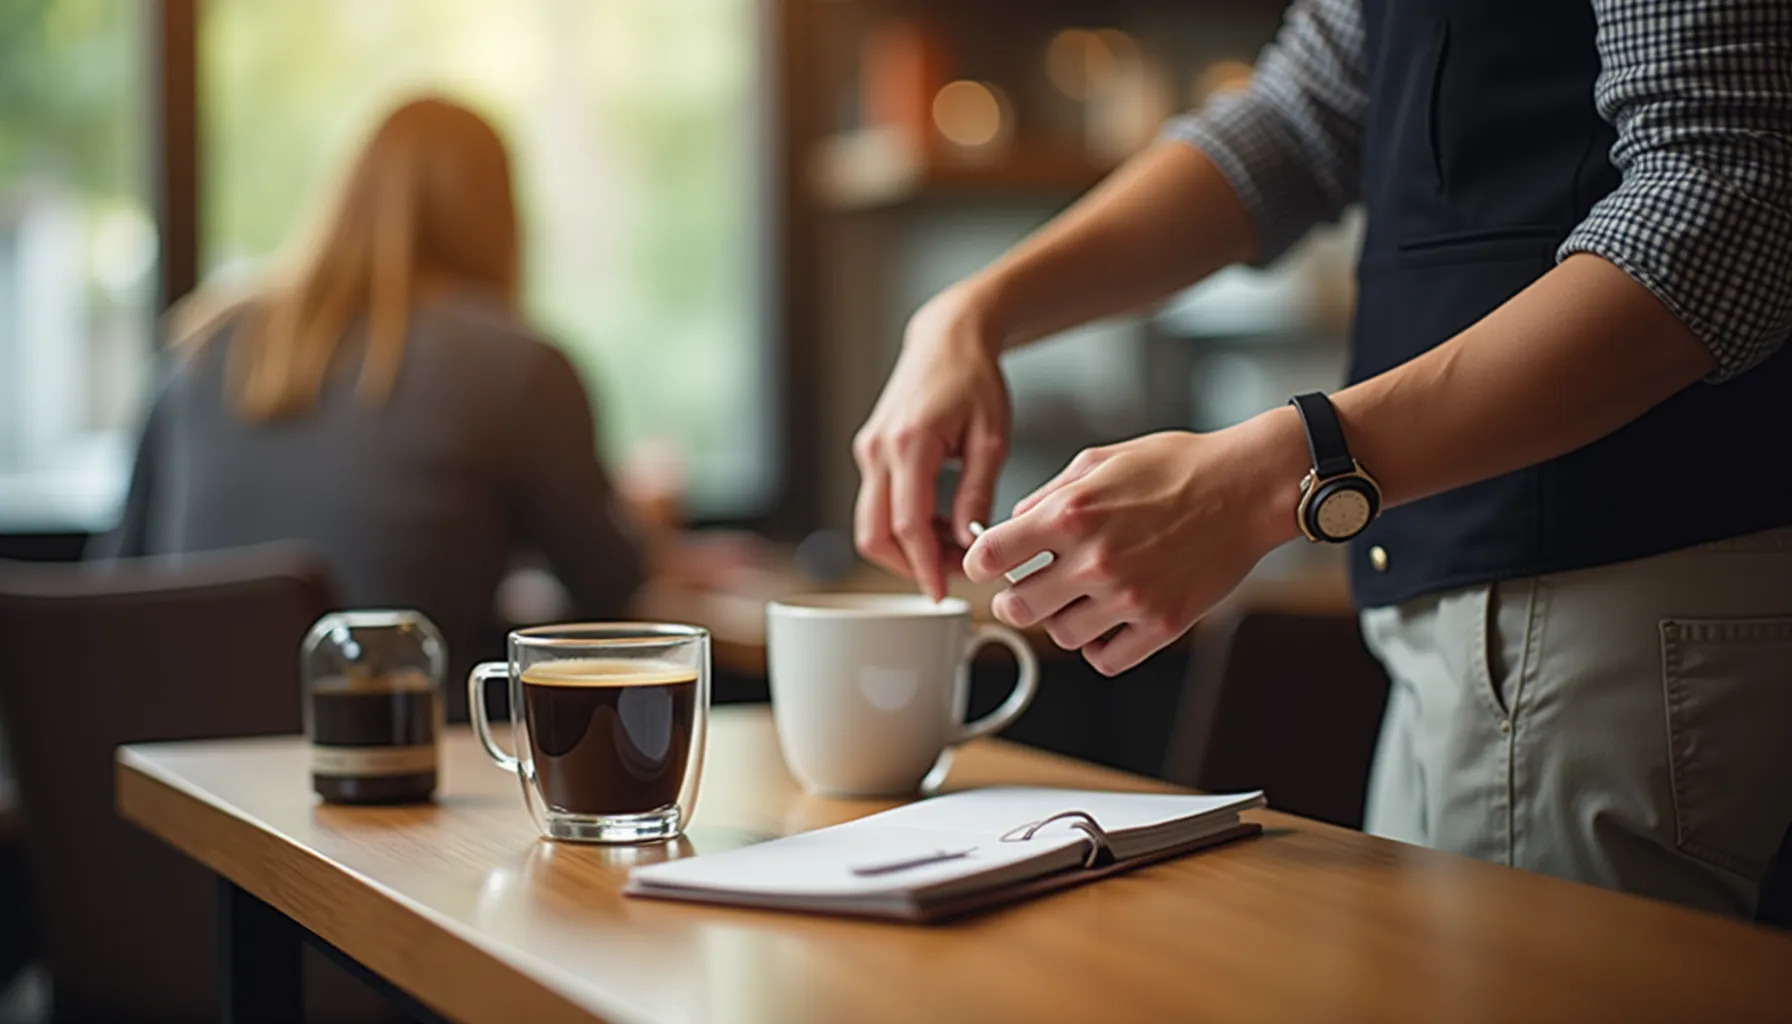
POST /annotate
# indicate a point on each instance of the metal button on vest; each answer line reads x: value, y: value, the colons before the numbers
x: 1378, y: 557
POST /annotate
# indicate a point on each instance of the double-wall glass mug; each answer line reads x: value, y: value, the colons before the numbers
x: 609, y: 722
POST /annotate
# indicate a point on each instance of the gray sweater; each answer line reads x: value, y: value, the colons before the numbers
x: 486, y: 447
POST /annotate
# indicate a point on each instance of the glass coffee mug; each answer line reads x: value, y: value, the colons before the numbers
x: 609, y: 721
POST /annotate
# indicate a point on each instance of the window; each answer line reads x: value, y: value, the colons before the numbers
x: 77, y: 258
x: 632, y: 128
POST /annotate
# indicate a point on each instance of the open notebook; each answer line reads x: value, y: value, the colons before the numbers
x: 955, y: 854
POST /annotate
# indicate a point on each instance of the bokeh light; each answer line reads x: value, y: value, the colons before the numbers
x: 968, y: 114
x: 1077, y: 62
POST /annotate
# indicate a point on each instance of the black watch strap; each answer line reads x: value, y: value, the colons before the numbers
x: 1325, y: 435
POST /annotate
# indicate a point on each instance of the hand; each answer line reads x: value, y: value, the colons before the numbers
x: 652, y: 481
x: 1149, y: 535
x: 945, y: 398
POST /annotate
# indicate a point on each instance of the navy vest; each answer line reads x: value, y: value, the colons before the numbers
x: 1482, y: 151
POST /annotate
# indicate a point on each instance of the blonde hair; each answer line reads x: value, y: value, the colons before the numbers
x: 426, y: 203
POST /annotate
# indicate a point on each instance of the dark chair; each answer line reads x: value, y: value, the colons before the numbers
x: 1287, y: 703
x: 100, y: 655
x: 15, y: 916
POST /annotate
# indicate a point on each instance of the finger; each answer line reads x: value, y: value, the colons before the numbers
x: 1037, y: 598
x: 871, y: 523
x: 1084, y: 622
x: 911, y: 515
x: 1079, y: 467
x: 984, y: 451
x: 1013, y: 543
x: 1125, y: 649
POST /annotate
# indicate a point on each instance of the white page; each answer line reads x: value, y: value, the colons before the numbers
x: 822, y: 863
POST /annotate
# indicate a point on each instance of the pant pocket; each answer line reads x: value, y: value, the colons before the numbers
x: 1506, y: 625
x: 1728, y: 684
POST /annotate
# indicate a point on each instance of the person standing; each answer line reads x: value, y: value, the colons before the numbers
x: 1563, y: 463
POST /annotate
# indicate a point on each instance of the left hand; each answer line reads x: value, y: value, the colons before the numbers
x: 1149, y: 535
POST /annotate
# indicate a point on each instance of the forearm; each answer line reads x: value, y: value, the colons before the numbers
x: 1240, y: 181
x: 1676, y: 275
x: 1581, y: 352
x: 1164, y: 220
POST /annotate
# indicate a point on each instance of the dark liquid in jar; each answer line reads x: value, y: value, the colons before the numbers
x: 374, y: 745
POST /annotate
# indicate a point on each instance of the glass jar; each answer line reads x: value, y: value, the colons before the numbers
x: 373, y: 706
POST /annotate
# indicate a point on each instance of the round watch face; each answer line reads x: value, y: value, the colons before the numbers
x: 1343, y: 513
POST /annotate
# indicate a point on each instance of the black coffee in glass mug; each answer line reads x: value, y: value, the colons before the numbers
x: 610, y: 737
x: 608, y: 726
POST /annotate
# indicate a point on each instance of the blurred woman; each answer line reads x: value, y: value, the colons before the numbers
x: 384, y: 401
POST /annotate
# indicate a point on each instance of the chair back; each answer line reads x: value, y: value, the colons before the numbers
x: 1283, y: 702
x: 97, y: 655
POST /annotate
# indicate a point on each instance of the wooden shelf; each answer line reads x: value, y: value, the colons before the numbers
x: 873, y: 168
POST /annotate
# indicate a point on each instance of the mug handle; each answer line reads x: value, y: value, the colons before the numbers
x: 1025, y: 688
x: 482, y: 726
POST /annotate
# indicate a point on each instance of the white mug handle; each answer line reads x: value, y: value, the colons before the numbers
x: 1025, y: 688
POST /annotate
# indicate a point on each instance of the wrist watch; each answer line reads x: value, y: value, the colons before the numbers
x: 1338, y: 499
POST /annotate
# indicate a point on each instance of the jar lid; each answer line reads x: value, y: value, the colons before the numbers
x: 374, y: 648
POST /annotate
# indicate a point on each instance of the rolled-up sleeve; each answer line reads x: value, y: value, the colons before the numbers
x: 1291, y: 144
x: 1700, y: 92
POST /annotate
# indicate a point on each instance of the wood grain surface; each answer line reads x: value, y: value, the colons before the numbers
x: 460, y: 904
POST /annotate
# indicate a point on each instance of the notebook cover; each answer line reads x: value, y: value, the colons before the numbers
x: 990, y: 899
x: 974, y: 903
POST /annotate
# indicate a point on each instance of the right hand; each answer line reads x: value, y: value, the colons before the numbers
x: 945, y: 399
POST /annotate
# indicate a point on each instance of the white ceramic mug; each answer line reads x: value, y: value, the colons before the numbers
x: 869, y: 691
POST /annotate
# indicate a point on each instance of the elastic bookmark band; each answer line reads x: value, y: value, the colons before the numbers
x: 1101, y: 851
x: 1026, y: 568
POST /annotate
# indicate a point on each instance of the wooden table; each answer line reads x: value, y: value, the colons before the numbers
x: 459, y: 905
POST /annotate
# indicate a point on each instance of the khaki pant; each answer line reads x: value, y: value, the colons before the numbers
x: 1628, y: 725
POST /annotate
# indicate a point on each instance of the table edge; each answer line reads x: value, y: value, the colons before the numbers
x: 133, y: 770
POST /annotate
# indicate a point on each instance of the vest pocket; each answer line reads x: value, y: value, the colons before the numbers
x: 1413, y: 144
x: 1526, y: 236
x: 1728, y: 685
x: 1440, y: 48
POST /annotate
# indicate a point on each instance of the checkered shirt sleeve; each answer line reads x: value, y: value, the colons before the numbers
x: 1700, y: 92
x: 1291, y: 144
